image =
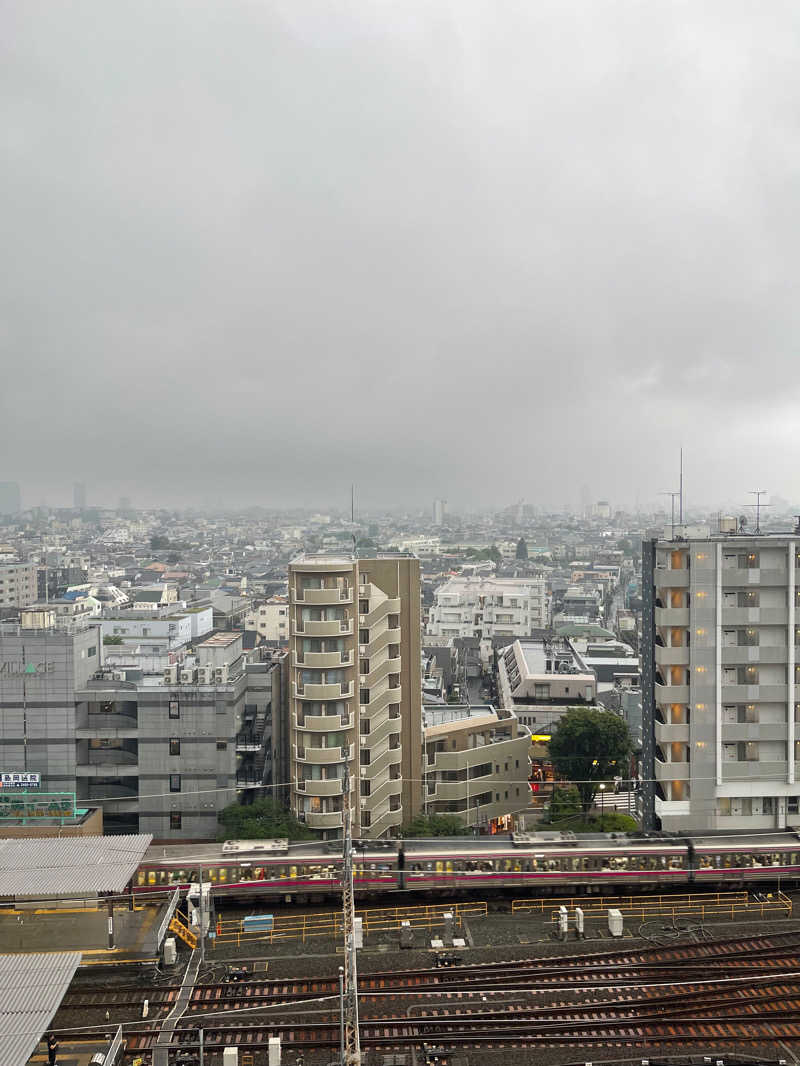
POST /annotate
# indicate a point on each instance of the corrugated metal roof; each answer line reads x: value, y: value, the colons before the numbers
x: 31, y: 988
x: 69, y: 866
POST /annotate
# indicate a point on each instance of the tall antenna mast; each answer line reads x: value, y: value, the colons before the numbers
x: 352, y: 503
x: 681, y: 491
x: 758, y: 493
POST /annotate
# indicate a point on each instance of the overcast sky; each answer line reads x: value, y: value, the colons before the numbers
x: 482, y: 250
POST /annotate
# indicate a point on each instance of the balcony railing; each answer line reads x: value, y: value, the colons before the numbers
x: 333, y: 628
x: 324, y: 596
x: 247, y: 742
x: 320, y: 820
x: 324, y: 755
x: 248, y: 779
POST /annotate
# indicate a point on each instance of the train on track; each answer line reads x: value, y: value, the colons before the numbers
x: 539, y: 863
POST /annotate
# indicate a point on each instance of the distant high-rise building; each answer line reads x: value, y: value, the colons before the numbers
x: 9, y: 497
x: 439, y: 511
x: 356, y: 691
x: 79, y: 496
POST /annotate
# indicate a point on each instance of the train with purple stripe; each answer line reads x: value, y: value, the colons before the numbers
x: 538, y: 862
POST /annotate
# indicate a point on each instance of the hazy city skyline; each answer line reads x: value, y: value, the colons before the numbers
x: 255, y: 252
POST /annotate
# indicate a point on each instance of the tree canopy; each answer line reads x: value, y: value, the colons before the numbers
x: 435, y: 825
x: 263, y: 819
x: 589, y: 746
x: 492, y: 554
x: 522, y: 549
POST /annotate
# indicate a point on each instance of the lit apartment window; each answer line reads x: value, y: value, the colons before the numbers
x: 175, y: 820
x: 174, y: 782
x: 174, y: 745
x: 174, y: 709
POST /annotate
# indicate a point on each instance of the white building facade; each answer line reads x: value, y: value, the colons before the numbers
x: 270, y: 620
x: 720, y: 681
x: 488, y: 607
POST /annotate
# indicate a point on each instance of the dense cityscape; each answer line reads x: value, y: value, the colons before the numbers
x: 399, y: 533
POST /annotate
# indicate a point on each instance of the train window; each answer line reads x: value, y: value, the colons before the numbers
x: 222, y: 874
x: 140, y: 877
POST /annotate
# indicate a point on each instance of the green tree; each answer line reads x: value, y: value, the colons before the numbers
x: 112, y: 640
x: 264, y: 819
x: 565, y: 803
x: 159, y: 543
x: 589, y: 746
x: 435, y: 825
x: 522, y: 549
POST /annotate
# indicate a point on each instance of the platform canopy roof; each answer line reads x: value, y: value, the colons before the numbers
x: 53, y: 867
x: 31, y: 989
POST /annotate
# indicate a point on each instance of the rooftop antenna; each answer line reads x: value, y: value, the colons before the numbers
x: 673, y: 495
x: 353, y: 519
x: 758, y: 493
x: 681, y: 490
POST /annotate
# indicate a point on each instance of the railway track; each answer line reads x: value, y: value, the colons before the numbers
x: 723, y: 994
x: 733, y: 958
x: 772, y: 1018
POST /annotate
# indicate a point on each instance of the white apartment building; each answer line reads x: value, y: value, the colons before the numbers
x: 270, y: 620
x: 488, y: 607
x: 421, y: 545
x: 720, y: 677
x: 17, y: 584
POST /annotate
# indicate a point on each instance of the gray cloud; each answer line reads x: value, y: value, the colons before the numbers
x: 255, y: 250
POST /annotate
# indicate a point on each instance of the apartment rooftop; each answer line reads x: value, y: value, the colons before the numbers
x: 344, y: 558
x: 221, y: 640
x: 542, y: 657
x: 728, y: 530
x: 440, y: 719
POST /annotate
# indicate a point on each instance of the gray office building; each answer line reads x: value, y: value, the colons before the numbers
x: 39, y: 673
x: 721, y: 629
x: 160, y: 753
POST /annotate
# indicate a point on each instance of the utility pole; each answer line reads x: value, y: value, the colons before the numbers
x: 202, y: 921
x: 352, y: 1041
